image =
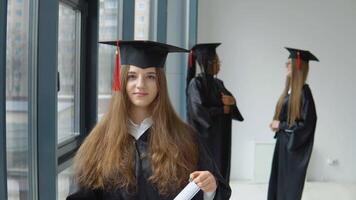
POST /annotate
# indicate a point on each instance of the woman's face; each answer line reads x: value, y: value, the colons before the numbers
x: 215, y: 66
x: 141, y: 85
x: 289, y: 67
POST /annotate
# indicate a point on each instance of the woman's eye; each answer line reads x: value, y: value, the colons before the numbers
x: 131, y: 76
x: 152, y: 77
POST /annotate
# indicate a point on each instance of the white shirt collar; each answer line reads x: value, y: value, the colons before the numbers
x: 136, y: 130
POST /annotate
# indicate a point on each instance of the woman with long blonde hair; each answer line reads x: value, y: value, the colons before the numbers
x: 294, y: 125
x: 141, y: 149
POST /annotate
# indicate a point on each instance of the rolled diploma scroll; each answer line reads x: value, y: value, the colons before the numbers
x: 188, y: 192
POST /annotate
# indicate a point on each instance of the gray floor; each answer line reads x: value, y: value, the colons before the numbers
x: 312, y: 191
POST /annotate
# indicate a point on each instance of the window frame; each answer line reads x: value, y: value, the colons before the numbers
x: 67, y: 148
x: 3, y: 176
x: 47, y: 158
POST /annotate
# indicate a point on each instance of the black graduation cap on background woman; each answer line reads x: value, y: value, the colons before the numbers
x: 300, y: 54
x: 203, y: 52
x: 200, y: 52
x: 141, y: 54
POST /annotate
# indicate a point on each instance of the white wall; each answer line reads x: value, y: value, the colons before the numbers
x: 253, y: 33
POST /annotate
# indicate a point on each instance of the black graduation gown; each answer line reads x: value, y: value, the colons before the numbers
x: 205, y: 112
x: 147, y: 191
x: 292, y: 151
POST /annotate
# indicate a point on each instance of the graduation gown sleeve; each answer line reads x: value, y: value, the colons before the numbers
x: 235, y: 112
x: 301, y: 131
x: 196, y: 110
x: 206, y: 162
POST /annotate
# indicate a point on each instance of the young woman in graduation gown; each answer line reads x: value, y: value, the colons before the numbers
x: 210, y: 106
x: 294, y: 124
x: 140, y: 149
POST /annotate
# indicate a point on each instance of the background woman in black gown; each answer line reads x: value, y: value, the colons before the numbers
x: 210, y: 106
x: 294, y: 122
x: 140, y: 149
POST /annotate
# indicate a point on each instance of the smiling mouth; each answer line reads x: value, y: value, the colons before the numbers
x: 140, y: 94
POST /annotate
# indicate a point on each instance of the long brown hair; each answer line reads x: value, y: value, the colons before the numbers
x: 295, y: 82
x: 106, y: 157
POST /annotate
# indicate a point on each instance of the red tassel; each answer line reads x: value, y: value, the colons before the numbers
x: 298, y: 61
x: 116, y: 82
x: 190, y: 58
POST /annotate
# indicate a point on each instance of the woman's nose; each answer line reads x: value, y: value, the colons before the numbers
x: 140, y: 82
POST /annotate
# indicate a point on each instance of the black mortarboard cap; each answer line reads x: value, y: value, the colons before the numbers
x: 303, y: 54
x: 203, y: 53
x: 205, y: 49
x: 141, y: 54
x: 144, y: 54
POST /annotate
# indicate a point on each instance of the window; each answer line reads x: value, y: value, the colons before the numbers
x: 66, y: 183
x: 17, y: 38
x: 108, y: 30
x: 111, y: 4
x: 69, y: 94
x: 141, y: 5
x: 18, y: 25
x: 19, y: 13
x: 69, y: 73
x: 142, y: 19
x: 18, y: 52
x: 17, y: 121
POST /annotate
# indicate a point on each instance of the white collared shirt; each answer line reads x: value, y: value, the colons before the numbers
x: 136, y: 130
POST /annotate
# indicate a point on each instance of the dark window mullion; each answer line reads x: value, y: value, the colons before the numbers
x: 128, y: 25
x: 153, y: 20
x: 3, y: 177
x: 90, y: 93
x: 191, y: 40
x: 161, y: 21
x: 47, y: 98
x: 193, y: 23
